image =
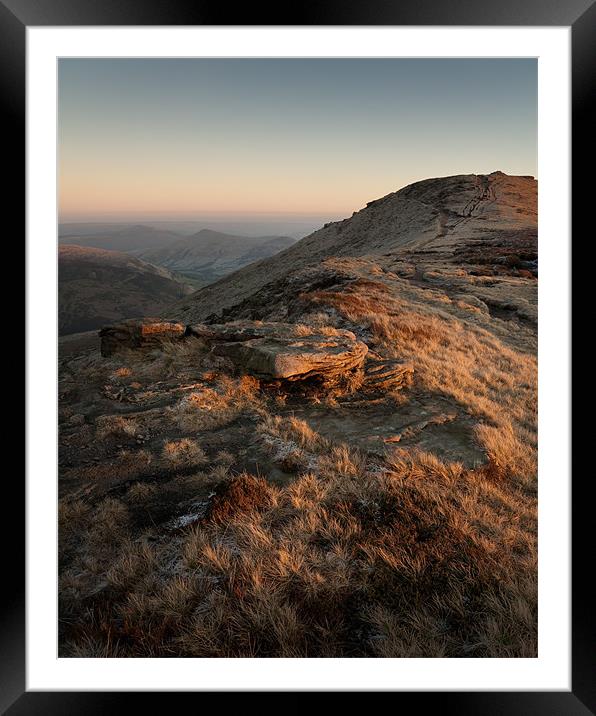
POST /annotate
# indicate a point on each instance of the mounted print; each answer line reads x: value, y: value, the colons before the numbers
x: 298, y: 332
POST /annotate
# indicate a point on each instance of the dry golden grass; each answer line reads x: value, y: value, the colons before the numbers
x: 126, y: 465
x: 214, y: 407
x: 115, y: 426
x: 224, y: 458
x: 424, y: 559
x: 140, y: 491
x: 291, y: 442
x: 183, y: 452
x: 302, y: 329
x: 123, y: 372
x: 462, y: 360
x: 292, y: 429
x: 167, y: 361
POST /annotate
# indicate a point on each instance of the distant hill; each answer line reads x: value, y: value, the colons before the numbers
x: 116, y: 237
x: 209, y: 255
x: 98, y: 286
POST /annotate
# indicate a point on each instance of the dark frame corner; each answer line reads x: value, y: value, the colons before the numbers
x: 580, y: 15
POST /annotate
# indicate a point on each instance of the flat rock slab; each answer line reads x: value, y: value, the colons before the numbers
x: 428, y: 423
x: 284, y: 351
x: 246, y: 330
x: 139, y: 333
x: 238, y: 331
x: 298, y: 359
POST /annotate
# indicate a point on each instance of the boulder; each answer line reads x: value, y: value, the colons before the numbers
x: 471, y: 300
x: 139, y: 333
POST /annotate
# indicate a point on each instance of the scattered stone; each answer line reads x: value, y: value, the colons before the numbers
x: 197, y: 512
x: 412, y: 429
x: 114, y: 393
x: 139, y: 333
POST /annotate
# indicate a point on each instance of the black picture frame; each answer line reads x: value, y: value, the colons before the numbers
x: 15, y: 17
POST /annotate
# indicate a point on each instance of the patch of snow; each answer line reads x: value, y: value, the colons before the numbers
x: 199, y: 510
x: 283, y: 449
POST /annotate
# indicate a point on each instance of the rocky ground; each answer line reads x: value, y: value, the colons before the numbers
x: 340, y: 461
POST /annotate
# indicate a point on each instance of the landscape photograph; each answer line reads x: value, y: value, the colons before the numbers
x: 297, y: 358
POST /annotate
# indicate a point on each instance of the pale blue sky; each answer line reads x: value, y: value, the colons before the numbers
x: 145, y: 136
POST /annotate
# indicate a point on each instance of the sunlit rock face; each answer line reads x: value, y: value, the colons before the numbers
x: 138, y: 333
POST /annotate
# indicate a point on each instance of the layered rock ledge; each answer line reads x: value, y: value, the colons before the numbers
x: 270, y: 351
x: 273, y: 352
x: 284, y: 351
x: 384, y: 375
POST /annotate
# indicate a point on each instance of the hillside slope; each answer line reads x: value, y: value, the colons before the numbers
x: 209, y: 255
x: 98, y: 287
x: 430, y: 224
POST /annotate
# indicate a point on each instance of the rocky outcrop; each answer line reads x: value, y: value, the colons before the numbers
x: 275, y: 351
x: 295, y: 359
x: 270, y: 351
x: 139, y: 333
x: 385, y: 375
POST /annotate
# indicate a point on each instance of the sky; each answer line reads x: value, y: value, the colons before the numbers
x: 177, y: 138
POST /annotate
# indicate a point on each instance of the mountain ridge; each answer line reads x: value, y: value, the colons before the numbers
x: 446, y: 215
x: 128, y: 238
